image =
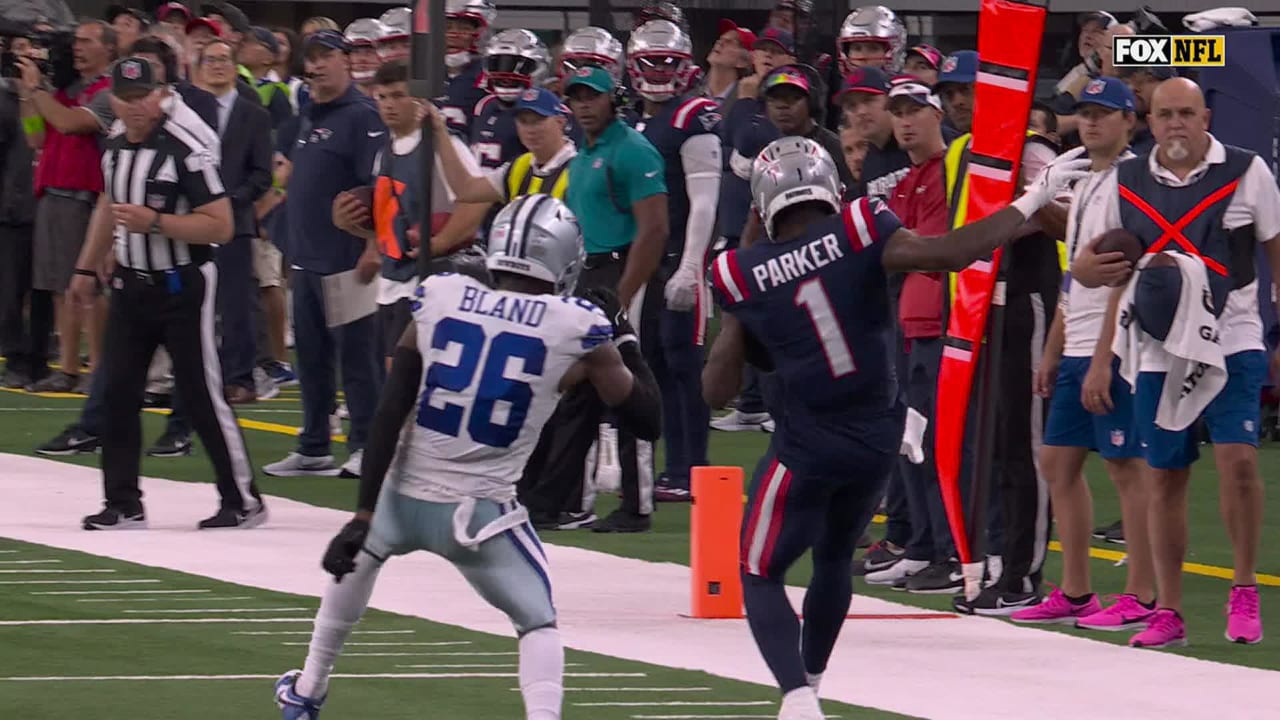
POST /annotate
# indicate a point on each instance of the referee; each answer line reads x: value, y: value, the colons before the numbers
x: 163, y: 208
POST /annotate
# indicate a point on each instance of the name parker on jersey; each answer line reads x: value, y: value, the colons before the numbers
x: 797, y: 263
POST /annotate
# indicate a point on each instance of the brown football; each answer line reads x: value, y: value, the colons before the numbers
x: 364, y: 194
x: 1119, y: 240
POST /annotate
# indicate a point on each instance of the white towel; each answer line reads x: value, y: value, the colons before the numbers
x: 1219, y: 17
x: 1197, y: 367
x: 913, y: 436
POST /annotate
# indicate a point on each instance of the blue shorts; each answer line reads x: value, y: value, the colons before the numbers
x: 1071, y: 425
x: 1232, y: 417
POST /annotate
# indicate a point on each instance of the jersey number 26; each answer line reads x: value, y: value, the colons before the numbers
x: 493, y: 384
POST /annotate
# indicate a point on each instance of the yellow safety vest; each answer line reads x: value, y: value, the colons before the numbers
x: 955, y: 166
x: 521, y: 180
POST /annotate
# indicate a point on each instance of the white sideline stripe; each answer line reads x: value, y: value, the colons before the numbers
x: 68, y: 572
x: 681, y: 703
x: 706, y: 717
x: 431, y: 654
x: 193, y: 611
x: 117, y: 592
x: 29, y: 562
x: 76, y: 582
x: 9, y: 552
x: 632, y: 689
x: 166, y: 598
x: 354, y: 632
x: 492, y: 665
x: 372, y: 644
x: 154, y: 621
x: 337, y: 676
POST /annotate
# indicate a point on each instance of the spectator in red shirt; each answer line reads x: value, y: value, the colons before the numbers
x: 919, y: 199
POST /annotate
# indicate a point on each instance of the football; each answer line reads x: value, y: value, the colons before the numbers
x: 1119, y: 240
x: 364, y: 194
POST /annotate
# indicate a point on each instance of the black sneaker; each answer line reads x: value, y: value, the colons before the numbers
x: 115, y: 519
x: 72, y: 441
x: 940, y: 578
x: 1102, y: 531
x: 229, y: 519
x: 171, y: 444
x: 15, y: 378
x: 544, y: 521
x: 994, y: 602
x: 1115, y: 533
x: 880, y: 556
x: 621, y: 521
x: 575, y: 520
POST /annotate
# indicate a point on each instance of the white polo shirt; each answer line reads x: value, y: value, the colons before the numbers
x: 1257, y: 201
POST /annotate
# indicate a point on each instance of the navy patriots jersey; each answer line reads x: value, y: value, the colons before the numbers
x: 677, y: 121
x: 819, y: 306
x: 461, y: 95
x: 493, y: 133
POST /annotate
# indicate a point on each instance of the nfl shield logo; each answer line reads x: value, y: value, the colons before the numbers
x: 132, y: 70
x: 1117, y: 438
x: 598, y: 163
x: 949, y: 65
x: 1094, y: 87
x: 584, y: 71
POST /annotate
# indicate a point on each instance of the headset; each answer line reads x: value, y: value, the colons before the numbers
x: 817, y: 88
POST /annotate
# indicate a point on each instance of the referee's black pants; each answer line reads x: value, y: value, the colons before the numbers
x: 174, y: 309
x: 555, y: 478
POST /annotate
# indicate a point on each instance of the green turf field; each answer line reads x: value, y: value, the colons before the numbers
x: 29, y: 420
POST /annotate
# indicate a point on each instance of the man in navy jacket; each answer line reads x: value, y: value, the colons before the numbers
x: 338, y: 138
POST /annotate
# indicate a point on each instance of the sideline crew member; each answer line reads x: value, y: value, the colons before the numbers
x: 163, y: 208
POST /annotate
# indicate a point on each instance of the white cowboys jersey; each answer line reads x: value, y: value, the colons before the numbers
x: 492, y: 366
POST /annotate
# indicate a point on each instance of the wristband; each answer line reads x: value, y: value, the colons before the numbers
x: 33, y: 125
x: 624, y: 339
x: 86, y: 273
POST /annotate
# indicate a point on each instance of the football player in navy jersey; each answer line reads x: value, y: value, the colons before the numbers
x: 594, y: 47
x: 514, y: 61
x: 811, y: 303
x: 467, y: 21
x: 683, y: 127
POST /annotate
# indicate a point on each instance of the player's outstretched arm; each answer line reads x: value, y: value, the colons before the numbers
x: 722, y: 375
x: 906, y: 251
x: 398, y: 395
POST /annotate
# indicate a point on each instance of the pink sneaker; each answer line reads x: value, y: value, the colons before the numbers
x: 1166, y: 629
x: 1056, y: 610
x: 1126, y: 614
x: 1244, y: 620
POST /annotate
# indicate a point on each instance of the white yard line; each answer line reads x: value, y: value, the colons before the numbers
x: 708, y: 717
x: 476, y: 665
x: 631, y: 609
x: 154, y: 621
x: 76, y: 582
x: 8, y: 552
x: 118, y: 592
x: 354, y: 632
x: 681, y: 703
x: 632, y: 689
x: 377, y: 644
x: 166, y: 598
x: 49, y: 572
x: 335, y: 676
x: 193, y: 611
x: 29, y: 562
x: 431, y: 654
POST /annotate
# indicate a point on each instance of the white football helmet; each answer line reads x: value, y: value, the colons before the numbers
x: 660, y: 60
x: 592, y: 46
x: 364, y: 31
x: 537, y: 236
x: 514, y: 61
x: 363, y: 36
x: 397, y: 23
x: 462, y: 44
x: 878, y: 24
x: 790, y: 171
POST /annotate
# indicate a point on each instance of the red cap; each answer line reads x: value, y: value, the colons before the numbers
x: 202, y: 22
x: 168, y: 9
x: 745, y: 37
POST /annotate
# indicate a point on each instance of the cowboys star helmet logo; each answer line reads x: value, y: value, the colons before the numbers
x: 949, y: 65
x: 1094, y: 87
x: 131, y: 70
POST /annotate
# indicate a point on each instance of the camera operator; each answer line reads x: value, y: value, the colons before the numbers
x: 26, y: 354
x: 67, y: 182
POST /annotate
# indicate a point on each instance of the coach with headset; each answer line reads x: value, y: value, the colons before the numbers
x: 619, y: 194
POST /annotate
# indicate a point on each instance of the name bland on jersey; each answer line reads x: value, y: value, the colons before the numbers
x: 525, y: 311
x: 795, y: 264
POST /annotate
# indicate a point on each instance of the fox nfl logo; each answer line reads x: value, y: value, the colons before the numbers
x: 1169, y: 50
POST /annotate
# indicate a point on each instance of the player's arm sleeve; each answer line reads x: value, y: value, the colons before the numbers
x: 700, y: 156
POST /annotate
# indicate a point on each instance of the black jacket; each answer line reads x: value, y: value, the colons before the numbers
x: 246, y: 161
x: 17, y: 203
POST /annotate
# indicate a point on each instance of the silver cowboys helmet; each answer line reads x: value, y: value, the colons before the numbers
x: 660, y: 60
x: 514, y: 61
x: 790, y: 171
x: 537, y: 236
x: 877, y: 24
x: 592, y: 46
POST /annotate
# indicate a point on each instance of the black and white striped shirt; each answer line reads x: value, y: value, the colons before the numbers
x: 173, y: 171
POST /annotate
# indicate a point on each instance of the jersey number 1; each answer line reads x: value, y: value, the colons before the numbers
x: 812, y: 296
x: 494, y: 385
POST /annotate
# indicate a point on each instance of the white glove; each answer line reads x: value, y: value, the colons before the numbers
x: 681, y: 291
x: 1053, y: 179
x: 913, y: 436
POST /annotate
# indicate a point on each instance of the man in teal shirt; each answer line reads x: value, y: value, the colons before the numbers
x: 618, y: 191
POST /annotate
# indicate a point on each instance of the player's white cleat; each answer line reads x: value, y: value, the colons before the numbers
x: 292, y: 705
x: 801, y: 704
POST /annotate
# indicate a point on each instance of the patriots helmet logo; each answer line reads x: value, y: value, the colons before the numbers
x: 1094, y: 87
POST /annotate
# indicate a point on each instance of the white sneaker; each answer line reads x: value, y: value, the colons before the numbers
x: 351, y: 468
x: 738, y: 421
x: 295, y: 465
x: 895, y: 572
x: 801, y: 704
x: 263, y: 385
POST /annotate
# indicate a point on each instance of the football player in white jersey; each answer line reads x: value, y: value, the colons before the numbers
x: 482, y: 369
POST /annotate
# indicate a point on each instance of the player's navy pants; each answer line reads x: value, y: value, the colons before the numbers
x: 676, y: 359
x: 930, y: 531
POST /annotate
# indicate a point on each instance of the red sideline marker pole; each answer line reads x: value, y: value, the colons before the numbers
x: 715, y: 526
